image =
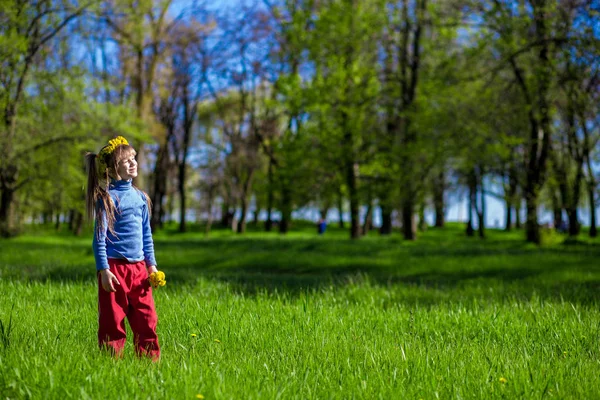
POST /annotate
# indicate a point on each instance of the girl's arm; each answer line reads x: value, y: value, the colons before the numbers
x: 99, y: 245
x: 107, y: 278
x: 148, y: 243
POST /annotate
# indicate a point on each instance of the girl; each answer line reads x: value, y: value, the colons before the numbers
x: 123, y: 250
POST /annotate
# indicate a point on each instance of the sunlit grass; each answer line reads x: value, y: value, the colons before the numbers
x: 262, y: 316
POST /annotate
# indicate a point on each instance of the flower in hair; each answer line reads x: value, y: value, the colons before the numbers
x: 112, y: 145
x: 107, y: 150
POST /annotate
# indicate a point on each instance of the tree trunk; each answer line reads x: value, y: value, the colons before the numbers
x: 508, y: 222
x: 574, y: 226
x: 5, y: 202
x: 7, y: 191
x: 351, y: 176
x: 401, y: 76
x: 386, y: 220
x: 286, y: 210
x: 422, y: 222
x: 408, y: 220
x: 538, y: 113
x: 518, y: 223
x: 341, y: 210
x: 241, y: 226
x: 470, y: 205
x: 189, y: 114
x: 71, y: 219
x: 78, y: 224
x: 563, y: 200
x: 160, y: 186
x: 269, y: 221
x: 226, y: 215
x: 540, y: 131
x: 511, y: 195
x: 592, y: 200
x: 438, y: 199
x: 138, y: 85
x: 353, y: 194
x: 481, y: 227
x: 556, y: 213
x: 481, y: 213
x: 270, y: 199
x: 532, y: 229
x: 409, y: 192
x: 182, y: 201
x: 440, y: 219
x: 573, y: 221
x: 591, y: 187
x: 256, y: 213
x: 409, y: 62
x: 591, y: 182
x: 368, y: 223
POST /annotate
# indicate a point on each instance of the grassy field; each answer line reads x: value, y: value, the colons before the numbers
x: 270, y: 317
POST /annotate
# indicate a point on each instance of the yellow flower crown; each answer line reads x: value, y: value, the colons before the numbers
x: 107, y: 150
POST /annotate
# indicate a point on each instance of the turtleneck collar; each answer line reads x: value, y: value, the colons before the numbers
x: 120, y: 185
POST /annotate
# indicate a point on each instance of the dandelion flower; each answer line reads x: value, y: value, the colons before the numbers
x: 199, y: 396
x: 193, y: 335
x: 157, y: 279
x: 503, y: 380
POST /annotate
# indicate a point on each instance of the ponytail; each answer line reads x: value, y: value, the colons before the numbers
x: 92, y: 184
x: 98, y: 202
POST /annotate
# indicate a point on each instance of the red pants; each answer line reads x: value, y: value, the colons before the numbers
x: 133, y: 299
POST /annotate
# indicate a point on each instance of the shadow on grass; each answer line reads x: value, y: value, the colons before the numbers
x: 426, y: 272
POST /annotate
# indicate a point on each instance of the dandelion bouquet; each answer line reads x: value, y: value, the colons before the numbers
x: 157, y: 279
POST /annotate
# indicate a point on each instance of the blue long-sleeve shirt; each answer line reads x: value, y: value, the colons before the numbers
x: 133, y: 238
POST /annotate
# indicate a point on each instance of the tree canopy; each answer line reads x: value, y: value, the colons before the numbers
x: 264, y: 107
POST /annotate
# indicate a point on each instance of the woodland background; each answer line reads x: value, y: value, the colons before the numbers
x: 241, y: 109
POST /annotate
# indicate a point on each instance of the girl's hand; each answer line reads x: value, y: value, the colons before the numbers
x: 109, y: 280
x: 156, y: 277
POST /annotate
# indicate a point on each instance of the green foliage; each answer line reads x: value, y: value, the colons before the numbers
x: 326, y: 85
x: 334, y: 107
x: 55, y: 130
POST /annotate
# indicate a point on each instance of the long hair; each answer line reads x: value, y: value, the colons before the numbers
x: 98, y: 203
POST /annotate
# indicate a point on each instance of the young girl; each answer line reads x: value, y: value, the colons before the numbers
x: 123, y: 250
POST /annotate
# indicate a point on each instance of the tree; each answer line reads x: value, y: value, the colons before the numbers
x: 26, y: 29
x: 344, y: 88
x: 142, y: 30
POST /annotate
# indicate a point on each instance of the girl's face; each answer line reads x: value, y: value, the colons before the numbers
x: 127, y: 167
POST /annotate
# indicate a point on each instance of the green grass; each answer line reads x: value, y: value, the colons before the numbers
x: 303, y: 316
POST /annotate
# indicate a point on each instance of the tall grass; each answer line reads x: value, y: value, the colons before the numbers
x: 266, y: 317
